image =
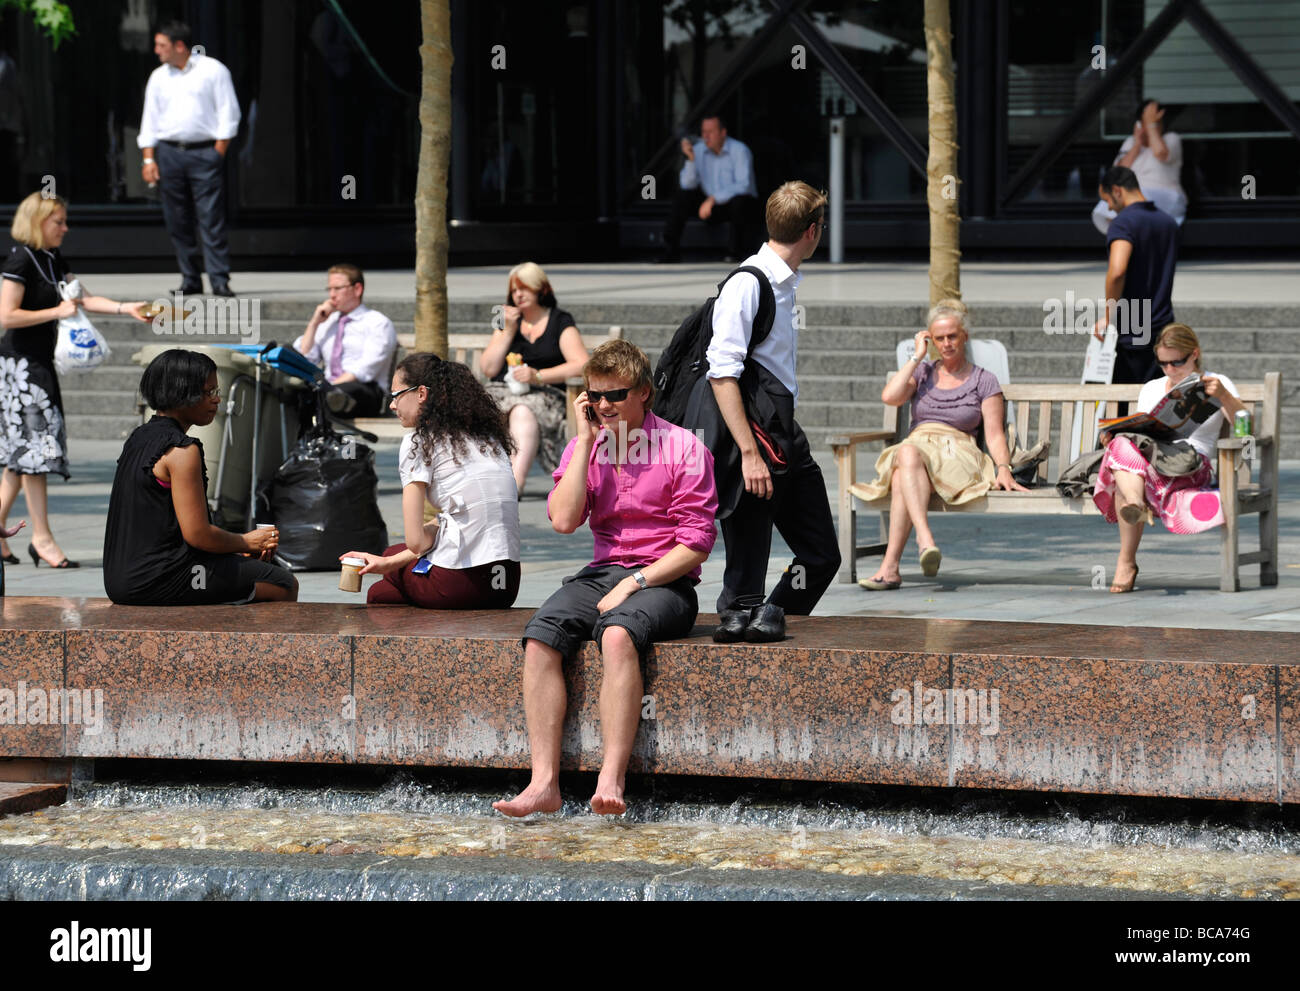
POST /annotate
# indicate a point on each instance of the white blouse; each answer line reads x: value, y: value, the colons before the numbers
x: 1207, y: 434
x: 476, y: 499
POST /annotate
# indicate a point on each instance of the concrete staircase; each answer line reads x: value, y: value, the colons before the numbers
x: 846, y: 351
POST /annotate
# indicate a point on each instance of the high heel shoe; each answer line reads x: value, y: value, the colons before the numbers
x: 9, y: 557
x: 37, y: 559
x: 1119, y: 589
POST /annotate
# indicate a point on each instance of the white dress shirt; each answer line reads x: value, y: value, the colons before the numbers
x: 196, y: 103
x: 733, y: 323
x: 478, y: 504
x: 369, y: 340
x: 723, y: 176
x: 1150, y: 171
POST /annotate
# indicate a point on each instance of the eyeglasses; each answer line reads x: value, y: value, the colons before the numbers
x: 348, y: 285
x: 1174, y: 364
x: 394, y: 396
x: 211, y: 393
x: 613, y: 395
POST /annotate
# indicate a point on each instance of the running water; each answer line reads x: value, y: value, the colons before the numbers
x: 1241, y: 854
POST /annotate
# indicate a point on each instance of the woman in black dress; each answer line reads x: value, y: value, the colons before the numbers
x: 549, y: 350
x: 33, y: 442
x: 160, y: 548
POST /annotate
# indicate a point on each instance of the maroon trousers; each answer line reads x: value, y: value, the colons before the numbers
x: 488, y: 586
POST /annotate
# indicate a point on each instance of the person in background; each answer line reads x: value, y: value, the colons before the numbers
x: 540, y: 348
x: 456, y: 458
x: 716, y: 185
x: 1156, y: 158
x: 1129, y: 489
x: 353, y: 343
x: 33, y: 435
x: 160, y: 546
x: 952, y: 399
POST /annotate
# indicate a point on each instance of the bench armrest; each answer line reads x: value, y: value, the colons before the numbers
x: 861, y: 437
x: 1237, y: 443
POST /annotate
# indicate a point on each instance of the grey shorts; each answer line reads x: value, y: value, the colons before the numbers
x: 569, y: 617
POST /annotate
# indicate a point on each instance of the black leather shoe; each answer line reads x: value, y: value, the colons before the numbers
x: 768, y: 624
x: 189, y: 290
x: 222, y: 289
x: 731, y: 629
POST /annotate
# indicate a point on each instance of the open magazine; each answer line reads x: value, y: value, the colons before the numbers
x: 1175, y: 417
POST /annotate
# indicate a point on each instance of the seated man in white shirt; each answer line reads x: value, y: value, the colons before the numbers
x: 353, y: 343
x: 1156, y: 158
x: 718, y: 186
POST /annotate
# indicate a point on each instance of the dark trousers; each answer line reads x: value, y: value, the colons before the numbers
x: 192, y: 183
x: 801, y: 513
x: 488, y: 586
x: 741, y: 212
x: 369, y: 397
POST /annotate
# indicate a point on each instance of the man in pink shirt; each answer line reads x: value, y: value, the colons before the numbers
x: 647, y: 487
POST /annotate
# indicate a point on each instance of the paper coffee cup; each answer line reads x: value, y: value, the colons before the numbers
x: 350, y: 576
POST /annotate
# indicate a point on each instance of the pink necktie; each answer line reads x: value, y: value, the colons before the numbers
x: 336, y: 357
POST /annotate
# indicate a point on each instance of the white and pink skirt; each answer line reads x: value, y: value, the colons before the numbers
x: 1186, y: 504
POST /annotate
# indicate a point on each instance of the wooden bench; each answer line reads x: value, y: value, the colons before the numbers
x: 466, y: 348
x: 1054, y: 406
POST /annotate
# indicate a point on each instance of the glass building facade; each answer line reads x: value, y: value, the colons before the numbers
x: 567, y: 117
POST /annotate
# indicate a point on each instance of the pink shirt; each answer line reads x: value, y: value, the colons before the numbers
x: 663, y: 495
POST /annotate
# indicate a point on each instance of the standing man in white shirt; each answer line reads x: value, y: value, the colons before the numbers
x: 190, y: 115
x: 717, y: 185
x: 783, y: 485
x: 1156, y: 157
x: 353, y: 343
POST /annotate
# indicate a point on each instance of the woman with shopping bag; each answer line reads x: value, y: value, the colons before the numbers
x: 33, y: 440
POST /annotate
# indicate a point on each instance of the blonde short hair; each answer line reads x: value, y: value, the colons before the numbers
x: 791, y: 209
x: 530, y: 275
x: 621, y: 360
x: 32, y: 212
x: 949, y: 309
x: 1180, y: 337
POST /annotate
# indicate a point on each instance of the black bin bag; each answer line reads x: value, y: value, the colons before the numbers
x: 324, y: 500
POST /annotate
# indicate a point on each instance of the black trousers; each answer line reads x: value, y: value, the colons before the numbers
x: 368, y: 395
x: 741, y: 212
x: 193, y: 187
x: 801, y: 512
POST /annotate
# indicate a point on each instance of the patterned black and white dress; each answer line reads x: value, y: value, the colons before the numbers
x: 33, y: 437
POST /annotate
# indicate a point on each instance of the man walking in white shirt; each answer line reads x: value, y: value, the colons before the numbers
x: 353, y: 343
x: 781, y: 485
x: 190, y: 115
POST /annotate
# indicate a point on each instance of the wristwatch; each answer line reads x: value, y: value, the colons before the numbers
x: 640, y: 579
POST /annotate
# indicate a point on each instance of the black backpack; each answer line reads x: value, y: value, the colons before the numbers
x: 683, y: 362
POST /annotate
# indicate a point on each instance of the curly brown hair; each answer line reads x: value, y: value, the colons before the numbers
x: 457, y: 409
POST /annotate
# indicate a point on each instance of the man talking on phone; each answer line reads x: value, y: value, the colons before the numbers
x: 646, y: 486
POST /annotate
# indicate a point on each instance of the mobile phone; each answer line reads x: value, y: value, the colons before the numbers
x: 591, y: 413
x: 422, y: 566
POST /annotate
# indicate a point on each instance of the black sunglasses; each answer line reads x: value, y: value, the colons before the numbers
x: 1174, y: 364
x: 394, y: 396
x: 613, y: 395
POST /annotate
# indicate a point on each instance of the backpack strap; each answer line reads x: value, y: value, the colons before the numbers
x: 766, y: 314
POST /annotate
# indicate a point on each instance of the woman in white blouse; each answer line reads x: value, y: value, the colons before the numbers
x: 1130, y: 490
x: 458, y: 460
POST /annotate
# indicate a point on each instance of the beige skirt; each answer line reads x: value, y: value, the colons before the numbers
x: 959, y: 470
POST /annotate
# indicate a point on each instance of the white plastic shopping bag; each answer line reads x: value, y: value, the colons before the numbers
x: 80, y: 347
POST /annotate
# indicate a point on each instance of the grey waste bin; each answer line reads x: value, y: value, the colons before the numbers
x: 267, y: 409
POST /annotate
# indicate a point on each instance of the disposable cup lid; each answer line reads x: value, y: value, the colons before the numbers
x: 356, y: 562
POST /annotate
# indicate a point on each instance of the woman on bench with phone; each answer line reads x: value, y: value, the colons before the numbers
x: 458, y: 460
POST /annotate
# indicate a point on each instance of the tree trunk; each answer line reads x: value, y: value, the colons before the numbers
x: 431, y: 179
x: 941, y: 167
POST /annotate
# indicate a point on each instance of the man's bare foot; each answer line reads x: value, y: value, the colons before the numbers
x: 608, y: 800
x: 534, y: 798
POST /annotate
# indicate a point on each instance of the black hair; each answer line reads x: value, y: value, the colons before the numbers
x: 1143, y: 105
x: 722, y: 121
x: 176, y: 31
x: 175, y: 379
x: 458, y: 410
x: 1118, y: 175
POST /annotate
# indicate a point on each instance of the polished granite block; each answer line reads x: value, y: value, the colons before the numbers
x: 32, y: 710
x: 1128, y: 727
x: 1288, y: 693
x: 219, y: 696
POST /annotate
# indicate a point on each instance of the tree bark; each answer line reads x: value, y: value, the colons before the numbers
x: 431, y: 178
x: 941, y: 167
